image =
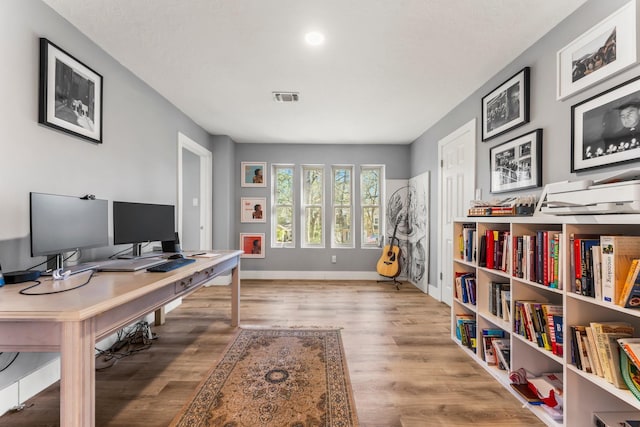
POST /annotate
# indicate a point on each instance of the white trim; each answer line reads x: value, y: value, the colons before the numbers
x: 206, y: 185
x: 310, y: 275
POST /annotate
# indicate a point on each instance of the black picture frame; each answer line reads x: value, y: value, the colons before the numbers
x: 517, y: 164
x: 605, y: 129
x: 507, y: 106
x: 70, y: 94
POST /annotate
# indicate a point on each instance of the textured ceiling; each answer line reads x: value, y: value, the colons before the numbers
x: 388, y: 71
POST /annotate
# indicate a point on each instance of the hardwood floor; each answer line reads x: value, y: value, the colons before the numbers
x: 404, y: 368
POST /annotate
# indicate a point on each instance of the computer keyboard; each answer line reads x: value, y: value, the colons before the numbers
x: 170, y: 265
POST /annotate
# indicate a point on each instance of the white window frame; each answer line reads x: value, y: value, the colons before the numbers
x: 275, y: 205
x: 351, y: 244
x: 303, y: 206
x: 380, y: 206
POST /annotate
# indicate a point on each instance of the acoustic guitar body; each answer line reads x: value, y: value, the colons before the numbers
x: 389, y: 263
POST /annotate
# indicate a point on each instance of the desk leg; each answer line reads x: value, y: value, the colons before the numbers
x: 77, y: 376
x: 235, y: 295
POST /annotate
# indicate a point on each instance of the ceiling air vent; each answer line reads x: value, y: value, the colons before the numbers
x: 286, y: 96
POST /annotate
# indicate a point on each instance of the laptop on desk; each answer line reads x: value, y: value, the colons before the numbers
x: 130, y: 264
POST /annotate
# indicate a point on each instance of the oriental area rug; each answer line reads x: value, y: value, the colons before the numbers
x: 275, y: 378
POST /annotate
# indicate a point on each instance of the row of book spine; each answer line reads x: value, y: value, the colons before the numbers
x: 595, y: 349
x: 465, y: 287
x: 466, y: 330
x: 533, y: 257
x: 541, y: 323
x: 605, y: 267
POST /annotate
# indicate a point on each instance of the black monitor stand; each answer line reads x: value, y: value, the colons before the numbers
x: 136, y: 253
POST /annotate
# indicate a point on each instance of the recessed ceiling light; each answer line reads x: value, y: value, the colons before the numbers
x: 314, y: 38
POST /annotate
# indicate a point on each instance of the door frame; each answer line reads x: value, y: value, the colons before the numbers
x: 469, y: 127
x: 206, y: 185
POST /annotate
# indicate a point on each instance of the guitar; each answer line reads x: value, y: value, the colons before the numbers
x: 389, y: 263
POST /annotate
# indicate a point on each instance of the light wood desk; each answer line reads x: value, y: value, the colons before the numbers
x: 71, y: 322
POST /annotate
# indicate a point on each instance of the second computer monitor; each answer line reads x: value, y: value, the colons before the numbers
x: 138, y: 223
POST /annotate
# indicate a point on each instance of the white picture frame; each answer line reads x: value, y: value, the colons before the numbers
x: 604, y: 50
x: 252, y: 209
x: 252, y: 245
x: 253, y: 174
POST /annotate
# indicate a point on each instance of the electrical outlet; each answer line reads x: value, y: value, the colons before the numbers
x: 334, y: 259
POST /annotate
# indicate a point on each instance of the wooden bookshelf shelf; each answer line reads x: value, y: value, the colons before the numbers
x: 584, y: 393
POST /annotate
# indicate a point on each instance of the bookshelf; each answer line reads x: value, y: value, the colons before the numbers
x: 584, y: 393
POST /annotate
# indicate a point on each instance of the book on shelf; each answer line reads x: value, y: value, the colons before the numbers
x: 550, y: 311
x: 495, y: 303
x: 618, y: 253
x: 465, y: 287
x: 631, y: 346
x: 482, y: 251
x: 460, y: 318
x: 593, y: 353
x: 488, y: 335
x: 506, y: 305
x: 630, y: 295
x: 575, y: 259
x: 596, y: 256
x: 467, y: 242
x: 502, y: 348
x: 582, y: 354
x: 630, y: 374
x: 586, y: 267
x: 615, y: 419
x: 558, y: 326
x: 527, y: 393
x: 606, y: 335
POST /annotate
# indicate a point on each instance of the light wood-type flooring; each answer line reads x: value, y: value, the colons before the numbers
x: 404, y: 368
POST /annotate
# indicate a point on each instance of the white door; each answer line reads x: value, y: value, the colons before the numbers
x: 457, y: 159
x: 194, y: 194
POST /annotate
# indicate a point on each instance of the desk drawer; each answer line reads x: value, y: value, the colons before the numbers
x: 200, y: 277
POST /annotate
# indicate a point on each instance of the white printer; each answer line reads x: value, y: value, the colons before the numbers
x: 613, y: 195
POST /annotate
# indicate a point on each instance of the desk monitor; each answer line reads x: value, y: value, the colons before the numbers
x: 65, y: 223
x: 137, y: 223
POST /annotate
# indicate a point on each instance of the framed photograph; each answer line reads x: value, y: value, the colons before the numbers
x: 253, y: 174
x: 606, y: 49
x: 70, y: 94
x: 507, y: 106
x: 252, y: 244
x: 252, y: 209
x: 517, y: 164
x: 605, y: 129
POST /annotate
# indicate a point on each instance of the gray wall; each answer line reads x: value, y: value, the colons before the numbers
x: 190, y: 190
x: 554, y: 117
x: 137, y: 160
x: 394, y: 157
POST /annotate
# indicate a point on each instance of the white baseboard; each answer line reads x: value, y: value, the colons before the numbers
x: 309, y: 275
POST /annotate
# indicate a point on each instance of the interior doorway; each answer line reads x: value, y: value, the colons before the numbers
x: 195, y: 171
x: 457, y: 160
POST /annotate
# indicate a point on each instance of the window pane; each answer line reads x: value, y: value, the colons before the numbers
x: 342, y: 226
x: 371, y: 214
x: 371, y: 226
x: 282, y: 219
x: 284, y: 225
x: 370, y: 187
x: 312, y: 187
x: 342, y: 187
x: 313, y: 225
x: 284, y: 186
